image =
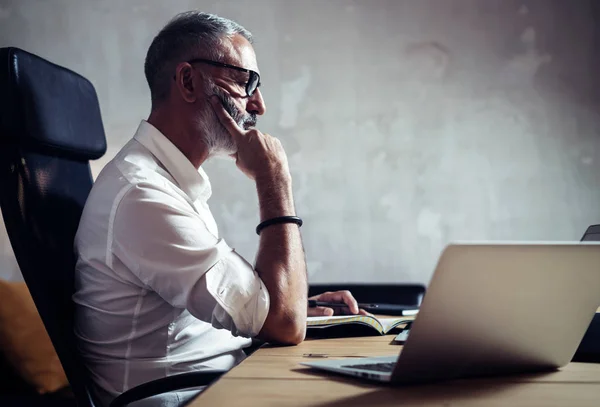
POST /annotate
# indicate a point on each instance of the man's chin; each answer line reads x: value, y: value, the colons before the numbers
x: 223, y: 153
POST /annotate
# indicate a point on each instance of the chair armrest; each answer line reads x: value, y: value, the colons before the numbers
x: 166, y: 384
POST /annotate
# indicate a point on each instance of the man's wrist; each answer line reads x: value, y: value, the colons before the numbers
x: 279, y: 176
x: 275, y: 196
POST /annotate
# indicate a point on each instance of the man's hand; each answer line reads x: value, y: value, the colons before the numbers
x: 258, y: 154
x: 337, y: 296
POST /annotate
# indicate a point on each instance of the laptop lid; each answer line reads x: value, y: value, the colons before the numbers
x: 502, y: 308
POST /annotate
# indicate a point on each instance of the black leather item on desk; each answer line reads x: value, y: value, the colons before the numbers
x: 50, y: 127
x: 402, y: 294
x: 589, y: 348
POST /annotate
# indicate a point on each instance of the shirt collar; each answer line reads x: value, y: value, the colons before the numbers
x: 194, y: 183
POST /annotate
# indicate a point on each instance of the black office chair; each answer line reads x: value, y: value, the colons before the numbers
x: 50, y: 127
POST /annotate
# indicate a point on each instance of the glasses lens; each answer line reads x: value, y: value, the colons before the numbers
x: 253, y: 82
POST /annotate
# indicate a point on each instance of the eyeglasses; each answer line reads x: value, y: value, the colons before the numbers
x: 253, y: 77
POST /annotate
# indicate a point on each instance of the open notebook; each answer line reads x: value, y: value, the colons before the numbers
x: 356, y: 324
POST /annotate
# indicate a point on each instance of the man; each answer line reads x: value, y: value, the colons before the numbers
x: 158, y: 292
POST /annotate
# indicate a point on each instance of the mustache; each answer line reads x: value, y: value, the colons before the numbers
x: 250, y: 120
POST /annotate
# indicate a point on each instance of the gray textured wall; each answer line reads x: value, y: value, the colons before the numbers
x: 408, y: 124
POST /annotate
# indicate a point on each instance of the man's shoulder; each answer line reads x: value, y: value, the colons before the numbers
x: 133, y: 176
x: 133, y: 165
x: 132, y: 168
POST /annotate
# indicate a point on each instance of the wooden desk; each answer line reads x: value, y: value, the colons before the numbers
x: 272, y: 376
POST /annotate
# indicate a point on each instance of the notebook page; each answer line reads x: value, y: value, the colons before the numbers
x: 343, y: 319
x: 387, y: 323
x: 336, y: 317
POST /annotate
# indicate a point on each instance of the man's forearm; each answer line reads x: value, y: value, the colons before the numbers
x: 281, y: 264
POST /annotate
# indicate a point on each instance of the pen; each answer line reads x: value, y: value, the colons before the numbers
x: 388, y: 309
x: 314, y: 303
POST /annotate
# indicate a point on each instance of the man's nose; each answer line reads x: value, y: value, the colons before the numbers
x: 256, y: 103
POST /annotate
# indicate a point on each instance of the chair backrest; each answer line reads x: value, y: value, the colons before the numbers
x: 50, y: 127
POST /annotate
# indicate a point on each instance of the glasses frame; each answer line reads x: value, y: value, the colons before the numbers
x: 251, y: 74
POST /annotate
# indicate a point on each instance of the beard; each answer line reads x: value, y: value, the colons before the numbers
x: 215, y: 135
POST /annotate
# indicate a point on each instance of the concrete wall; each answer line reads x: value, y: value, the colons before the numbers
x: 408, y: 124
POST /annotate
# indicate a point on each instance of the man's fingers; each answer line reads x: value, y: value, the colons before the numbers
x: 347, y: 298
x: 225, y: 118
x: 340, y: 296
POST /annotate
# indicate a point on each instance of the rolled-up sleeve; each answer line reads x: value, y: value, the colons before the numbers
x: 241, y: 296
x: 168, y: 247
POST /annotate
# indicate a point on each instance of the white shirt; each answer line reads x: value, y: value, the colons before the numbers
x: 157, y: 292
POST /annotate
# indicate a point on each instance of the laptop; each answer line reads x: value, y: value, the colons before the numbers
x: 589, y: 348
x: 493, y: 309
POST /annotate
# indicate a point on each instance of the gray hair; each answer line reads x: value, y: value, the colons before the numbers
x: 188, y: 35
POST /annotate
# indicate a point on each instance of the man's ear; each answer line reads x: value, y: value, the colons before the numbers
x: 186, y: 82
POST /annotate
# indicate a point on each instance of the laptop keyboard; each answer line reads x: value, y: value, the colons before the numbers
x: 378, y: 367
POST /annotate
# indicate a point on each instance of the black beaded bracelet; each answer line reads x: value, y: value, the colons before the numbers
x: 275, y: 221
